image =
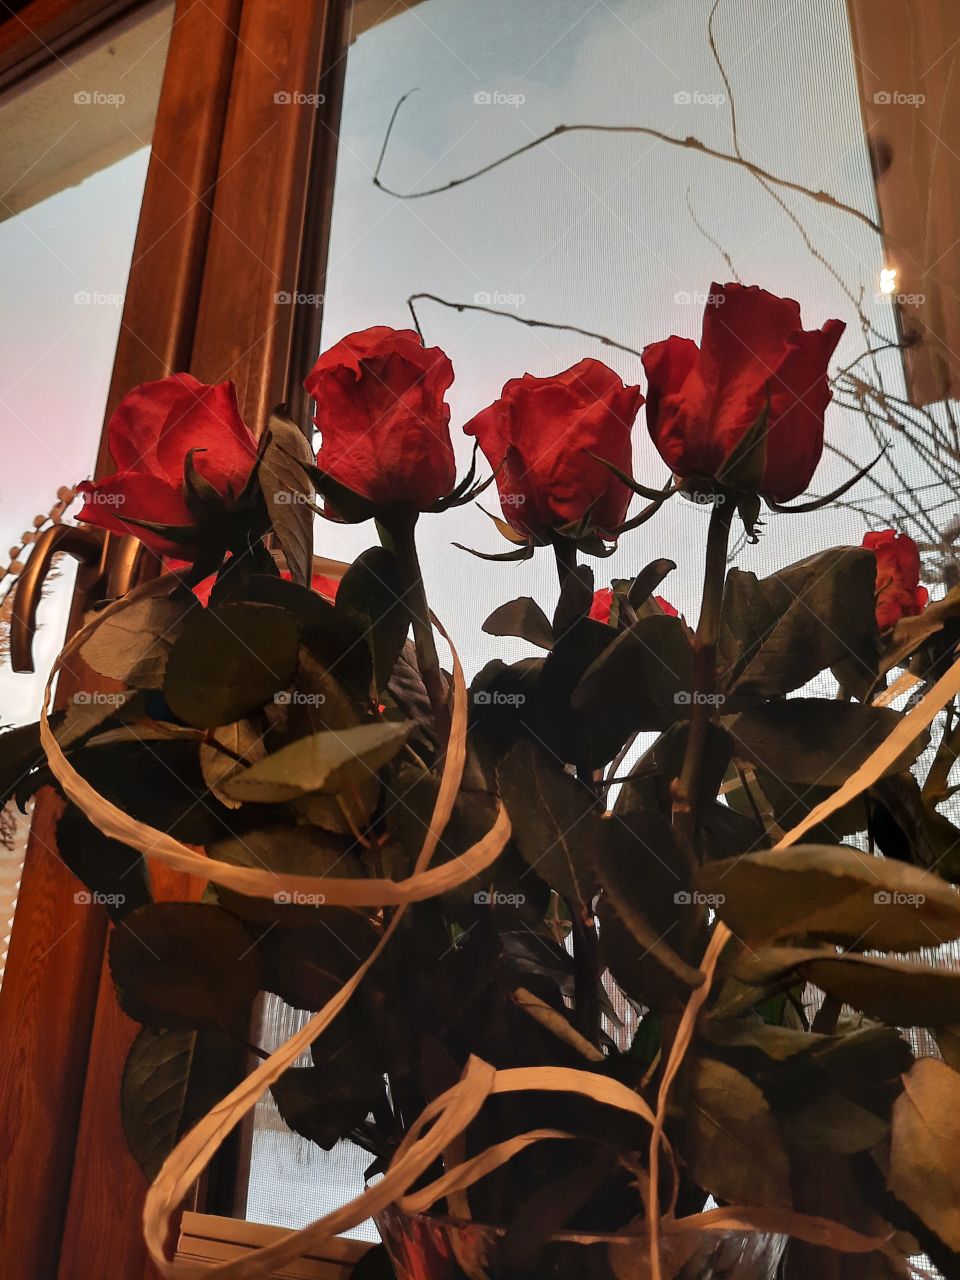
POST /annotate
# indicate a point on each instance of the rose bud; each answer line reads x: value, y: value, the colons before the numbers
x: 384, y: 423
x: 754, y: 358
x: 898, y: 593
x: 539, y: 438
x: 154, y: 430
x: 602, y: 605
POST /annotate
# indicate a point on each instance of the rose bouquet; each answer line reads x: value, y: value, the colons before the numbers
x: 621, y: 928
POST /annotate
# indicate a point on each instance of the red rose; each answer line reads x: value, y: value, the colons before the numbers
x: 153, y: 429
x: 702, y: 400
x: 326, y: 587
x: 899, y: 594
x: 603, y: 603
x: 539, y: 436
x: 383, y: 420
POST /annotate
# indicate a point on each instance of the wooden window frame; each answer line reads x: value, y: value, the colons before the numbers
x: 233, y: 183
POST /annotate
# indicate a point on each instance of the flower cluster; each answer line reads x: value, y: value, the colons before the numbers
x: 560, y: 446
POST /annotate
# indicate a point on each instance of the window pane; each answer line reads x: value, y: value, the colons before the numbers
x: 68, y: 218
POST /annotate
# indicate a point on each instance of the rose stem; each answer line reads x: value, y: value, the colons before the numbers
x: 565, y: 552
x: 687, y: 787
x: 401, y: 533
x: 586, y: 951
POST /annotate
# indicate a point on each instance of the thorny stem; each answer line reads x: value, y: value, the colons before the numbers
x: 687, y: 786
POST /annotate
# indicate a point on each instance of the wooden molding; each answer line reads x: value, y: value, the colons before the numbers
x: 276, y: 135
x: 907, y: 54
x: 34, y: 36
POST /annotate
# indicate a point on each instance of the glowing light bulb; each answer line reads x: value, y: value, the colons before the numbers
x: 888, y: 280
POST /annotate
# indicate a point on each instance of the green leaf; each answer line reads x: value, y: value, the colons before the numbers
x: 371, y: 601
x: 905, y: 825
x: 834, y: 1123
x: 134, y: 644
x: 289, y: 495
x: 20, y: 754
x: 924, y: 1172
x: 522, y: 618
x: 114, y: 874
x: 156, y: 782
x: 171, y: 1079
x: 779, y: 632
x: 646, y: 910
x: 815, y: 741
x: 730, y: 1139
x: 898, y: 993
x: 185, y: 965
x: 229, y: 661
x: 554, y: 819
x: 307, y: 967
x: 642, y: 680
x: 286, y: 850
x: 324, y: 1105
x: 230, y: 747
x: 324, y: 762
x: 838, y: 894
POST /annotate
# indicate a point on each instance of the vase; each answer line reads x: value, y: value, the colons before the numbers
x: 429, y: 1246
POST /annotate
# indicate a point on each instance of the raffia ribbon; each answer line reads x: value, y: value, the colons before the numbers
x: 446, y: 1119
